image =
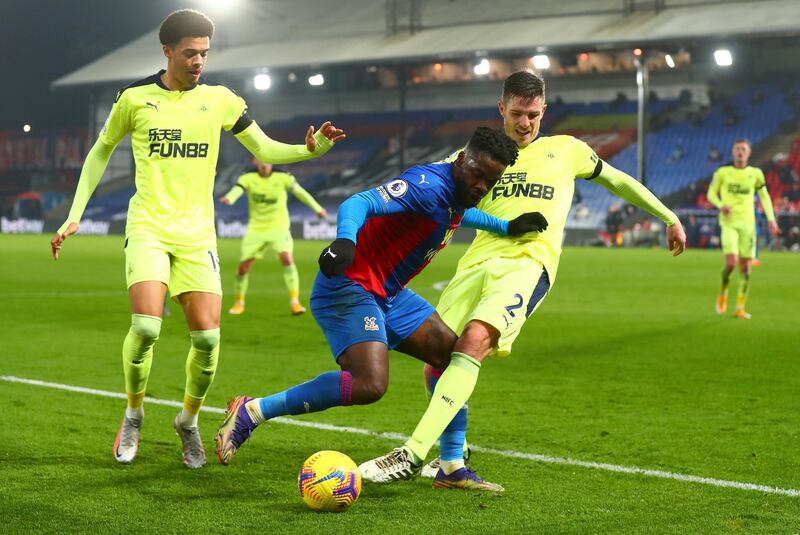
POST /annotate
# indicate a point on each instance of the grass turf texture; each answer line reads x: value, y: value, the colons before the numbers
x: 624, y: 363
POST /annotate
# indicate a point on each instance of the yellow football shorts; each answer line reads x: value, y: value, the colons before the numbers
x: 254, y: 244
x: 739, y: 239
x: 502, y: 292
x: 182, y: 268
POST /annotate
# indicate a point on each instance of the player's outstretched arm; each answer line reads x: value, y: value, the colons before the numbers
x: 306, y: 198
x: 233, y: 195
x: 268, y: 150
x: 626, y: 187
x: 93, y: 168
x: 528, y: 222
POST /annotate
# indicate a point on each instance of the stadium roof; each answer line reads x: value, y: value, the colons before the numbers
x: 272, y: 34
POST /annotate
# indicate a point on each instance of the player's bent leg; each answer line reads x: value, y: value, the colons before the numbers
x: 240, y: 286
x: 433, y: 343
x: 137, y: 357
x: 452, y: 391
x: 202, y: 310
x: 367, y: 365
x: 744, y: 288
x: 722, y: 298
x: 292, y: 281
x: 363, y: 380
x: 201, y: 367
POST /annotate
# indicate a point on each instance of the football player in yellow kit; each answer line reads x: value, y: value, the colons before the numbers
x: 268, y: 227
x: 174, y: 118
x: 731, y: 191
x: 500, y: 281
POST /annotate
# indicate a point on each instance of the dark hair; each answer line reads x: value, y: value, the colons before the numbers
x: 184, y: 23
x: 495, y: 143
x: 524, y: 84
x: 743, y: 140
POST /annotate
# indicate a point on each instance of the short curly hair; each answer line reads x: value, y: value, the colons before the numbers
x: 184, y: 23
x: 495, y: 143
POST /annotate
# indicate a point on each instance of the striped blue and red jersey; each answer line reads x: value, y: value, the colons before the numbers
x: 399, y: 226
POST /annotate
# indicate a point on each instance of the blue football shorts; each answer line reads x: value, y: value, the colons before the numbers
x: 348, y: 314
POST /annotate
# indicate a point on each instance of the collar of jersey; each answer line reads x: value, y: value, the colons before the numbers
x: 160, y: 83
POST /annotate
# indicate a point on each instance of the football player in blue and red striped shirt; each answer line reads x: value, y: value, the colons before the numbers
x: 385, y: 237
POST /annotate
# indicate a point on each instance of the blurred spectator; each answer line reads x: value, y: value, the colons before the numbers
x: 692, y: 232
x: 582, y: 212
x: 792, y: 239
x: 614, y: 224
x: 714, y: 155
x: 677, y: 151
x: 708, y: 233
x: 793, y: 195
x: 697, y: 118
x: 619, y: 100
x: 787, y: 175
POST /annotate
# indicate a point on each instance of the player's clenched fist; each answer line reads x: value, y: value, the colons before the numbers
x: 529, y: 222
x: 336, y: 257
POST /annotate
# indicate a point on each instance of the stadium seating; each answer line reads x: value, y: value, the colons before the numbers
x: 678, y: 155
x: 370, y: 153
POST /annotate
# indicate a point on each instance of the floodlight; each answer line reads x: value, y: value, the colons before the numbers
x: 482, y: 68
x: 541, y: 61
x: 723, y: 57
x: 262, y: 81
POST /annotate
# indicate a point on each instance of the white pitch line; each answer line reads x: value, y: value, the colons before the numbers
x: 398, y: 436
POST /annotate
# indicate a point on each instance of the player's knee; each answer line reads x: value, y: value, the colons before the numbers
x: 286, y: 259
x: 148, y: 327
x: 440, y: 342
x: 371, y: 390
x: 441, y: 359
x: 477, y: 340
x: 205, y: 341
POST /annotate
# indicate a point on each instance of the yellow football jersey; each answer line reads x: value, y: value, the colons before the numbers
x: 267, y: 200
x: 735, y: 188
x: 541, y: 180
x: 175, y: 143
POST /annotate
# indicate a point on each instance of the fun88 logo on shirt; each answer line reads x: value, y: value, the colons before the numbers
x: 164, y: 142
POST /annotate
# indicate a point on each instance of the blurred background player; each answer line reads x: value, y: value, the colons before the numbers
x: 731, y: 191
x: 385, y: 236
x: 500, y: 282
x: 268, y: 227
x: 175, y: 119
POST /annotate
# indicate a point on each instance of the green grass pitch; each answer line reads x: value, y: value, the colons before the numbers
x: 625, y: 363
